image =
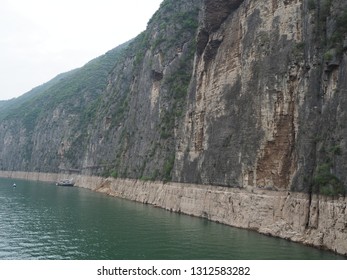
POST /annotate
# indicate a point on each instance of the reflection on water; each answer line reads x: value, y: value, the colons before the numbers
x: 43, y: 221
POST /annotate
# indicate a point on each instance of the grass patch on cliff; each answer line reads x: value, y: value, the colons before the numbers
x: 336, y: 20
x: 176, y: 26
x: 167, y: 169
x: 326, y: 183
x: 325, y: 180
x: 177, y: 84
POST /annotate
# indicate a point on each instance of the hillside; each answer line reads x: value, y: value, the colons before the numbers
x: 247, y: 94
x: 9, y: 106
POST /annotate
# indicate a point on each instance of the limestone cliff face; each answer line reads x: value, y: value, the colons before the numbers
x: 248, y: 97
x: 264, y: 100
x: 115, y: 116
x: 136, y: 134
x: 237, y: 93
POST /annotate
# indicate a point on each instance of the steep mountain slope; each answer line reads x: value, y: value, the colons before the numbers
x: 33, y: 125
x: 7, y: 106
x: 90, y: 125
x: 239, y: 93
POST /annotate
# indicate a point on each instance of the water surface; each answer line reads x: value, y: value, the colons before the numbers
x: 43, y: 221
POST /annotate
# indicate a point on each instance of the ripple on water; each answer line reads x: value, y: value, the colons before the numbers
x: 40, y: 221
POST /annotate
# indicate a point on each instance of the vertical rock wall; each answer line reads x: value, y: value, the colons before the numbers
x: 245, y: 94
x: 260, y: 93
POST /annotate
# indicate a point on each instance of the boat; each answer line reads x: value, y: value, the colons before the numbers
x: 65, y: 183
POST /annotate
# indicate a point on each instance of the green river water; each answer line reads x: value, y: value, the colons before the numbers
x: 42, y: 221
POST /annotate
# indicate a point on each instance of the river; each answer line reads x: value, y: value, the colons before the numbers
x: 42, y: 221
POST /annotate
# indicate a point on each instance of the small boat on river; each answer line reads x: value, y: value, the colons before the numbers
x: 66, y: 183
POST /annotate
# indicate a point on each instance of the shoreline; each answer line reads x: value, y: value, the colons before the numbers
x: 320, y: 223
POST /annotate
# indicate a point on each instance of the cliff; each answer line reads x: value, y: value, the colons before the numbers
x: 265, y: 103
x: 234, y: 93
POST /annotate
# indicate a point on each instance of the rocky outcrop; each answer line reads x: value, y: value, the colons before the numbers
x: 241, y: 94
x: 280, y: 214
x: 259, y: 96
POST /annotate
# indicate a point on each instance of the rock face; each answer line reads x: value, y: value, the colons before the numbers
x: 261, y: 94
x: 234, y: 93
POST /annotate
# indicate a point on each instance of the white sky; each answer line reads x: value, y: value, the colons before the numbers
x: 42, y: 38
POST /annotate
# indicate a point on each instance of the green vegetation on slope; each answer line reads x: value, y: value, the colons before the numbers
x: 95, y: 119
x: 73, y: 90
x: 9, y: 106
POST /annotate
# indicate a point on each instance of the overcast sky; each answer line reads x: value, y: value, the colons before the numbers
x: 42, y: 38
